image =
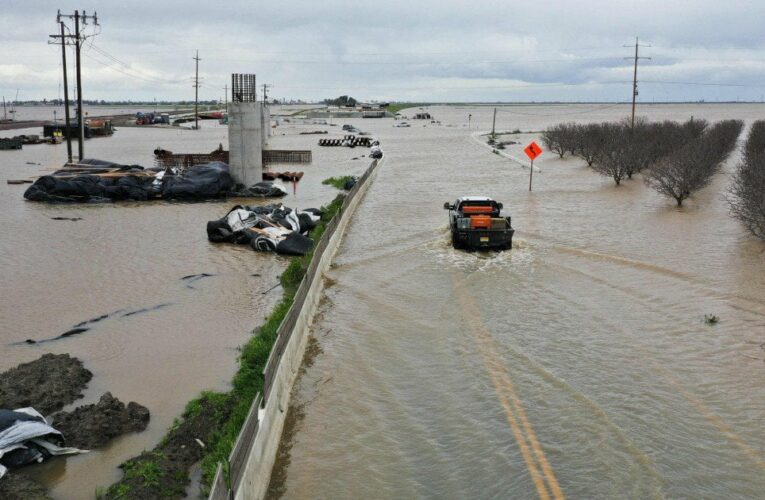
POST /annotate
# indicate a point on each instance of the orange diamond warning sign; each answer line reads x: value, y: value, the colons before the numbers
x: 533, y: 150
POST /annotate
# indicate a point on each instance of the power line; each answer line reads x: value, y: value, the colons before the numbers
x: 706, y: 83
x: 129, y: 70
x: 580, y: 112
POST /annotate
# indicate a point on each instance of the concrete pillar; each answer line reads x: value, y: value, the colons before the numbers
x: 245, y: 142
x: 265, y: 122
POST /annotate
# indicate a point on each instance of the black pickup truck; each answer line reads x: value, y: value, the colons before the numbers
x: 476, y: 224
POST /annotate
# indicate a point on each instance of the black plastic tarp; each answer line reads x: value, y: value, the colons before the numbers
x: 199, y: 182
x: 90, y: 188
x: 26, y: 437
x: 265, y: 189
x: 133, y: 182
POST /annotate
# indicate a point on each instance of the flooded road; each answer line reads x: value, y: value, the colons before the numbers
x: 123, y: 258
x: 578, y: 364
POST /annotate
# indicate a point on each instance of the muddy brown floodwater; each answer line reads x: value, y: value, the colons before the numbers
x: 577, y: 364
x: 122, y: 258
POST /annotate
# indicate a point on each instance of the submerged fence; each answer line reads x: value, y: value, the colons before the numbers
x: 254, y: 452
x: 286, y: 156
x: 167, y: 159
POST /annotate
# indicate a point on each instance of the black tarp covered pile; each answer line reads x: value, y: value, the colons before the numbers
x: 265, y: 189
x: 133, y: 182
x: 26, y: 438
x: 198, y: 182
x: 125, y: 182
x: 269, y: 228
x: 50, y: 188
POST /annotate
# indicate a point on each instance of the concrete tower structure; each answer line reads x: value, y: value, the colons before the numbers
x: 248, y: 128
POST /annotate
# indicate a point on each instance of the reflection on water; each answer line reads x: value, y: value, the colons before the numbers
x: 580, y: 360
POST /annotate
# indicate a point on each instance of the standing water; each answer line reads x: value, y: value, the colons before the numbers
x: 120, y: 258
x: 578, y: 364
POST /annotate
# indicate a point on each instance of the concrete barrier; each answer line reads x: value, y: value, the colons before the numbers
x: 286, y: 358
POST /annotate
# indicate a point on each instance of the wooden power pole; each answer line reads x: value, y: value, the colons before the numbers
x: 79, y: 21
x: 634, y: 79
x: 265, y: 93
x: 196, y: 93
x: 493, y: 123
x: 62, y: 40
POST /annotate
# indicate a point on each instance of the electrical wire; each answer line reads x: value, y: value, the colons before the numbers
x: 129, y: 69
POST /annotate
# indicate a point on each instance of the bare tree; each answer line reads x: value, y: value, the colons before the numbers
x: 552, y: 138
x: 747, y: 193
x: 691, y: 167
x: 590, y: 139
x: 613, y: 157
x: 560, y: 138
x: 570, y: 137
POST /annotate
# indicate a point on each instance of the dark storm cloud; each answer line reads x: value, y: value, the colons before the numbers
x: 406, y: 50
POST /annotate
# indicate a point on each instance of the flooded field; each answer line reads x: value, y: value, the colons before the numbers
x: 577, y: 364
x: 127, y: 257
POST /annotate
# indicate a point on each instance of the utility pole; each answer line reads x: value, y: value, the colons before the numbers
x: 493, y: 123
x: 196, y: 93
x: 634, y: 78
x: 80, y: 122
x: 265, y: 93
x: 78, y: 38
x: 66, y: 97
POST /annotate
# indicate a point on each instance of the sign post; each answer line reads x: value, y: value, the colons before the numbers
x: 532, y: 151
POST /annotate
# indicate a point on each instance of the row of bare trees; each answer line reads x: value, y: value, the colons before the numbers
x: 675, y: 158
x: 747, y: 194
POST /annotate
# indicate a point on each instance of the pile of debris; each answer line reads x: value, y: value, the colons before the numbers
x: 26, y: 438
x: 18, y: 141
x: 269, y: 228
x: 350, y: 141
x: 285, y: 176
x: 98, y: 181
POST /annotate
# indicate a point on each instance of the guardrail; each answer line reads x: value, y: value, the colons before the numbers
x: 254, y: 452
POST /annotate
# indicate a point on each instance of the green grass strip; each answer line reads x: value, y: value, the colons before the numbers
x: 338, y: 182
x: 248, y: 380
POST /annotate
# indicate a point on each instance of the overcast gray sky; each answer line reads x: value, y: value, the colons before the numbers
x: 396, y: 50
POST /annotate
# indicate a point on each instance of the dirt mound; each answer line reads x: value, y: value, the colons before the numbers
x: 92, y: 426
x: 14, y: 486
x: 47, y: 384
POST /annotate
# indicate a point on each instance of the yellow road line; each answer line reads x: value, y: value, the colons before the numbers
x: 718, y: 422
x: 511, y: 402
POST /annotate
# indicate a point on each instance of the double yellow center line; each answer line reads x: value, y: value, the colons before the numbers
x: 539, y: 468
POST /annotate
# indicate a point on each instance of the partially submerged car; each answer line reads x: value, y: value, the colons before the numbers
x: 476, y: 224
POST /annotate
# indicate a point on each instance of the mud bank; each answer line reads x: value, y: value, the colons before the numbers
x: 92, y: 426
x: 164, y: 471
x: 48, y: 384
x: 18, y: 486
